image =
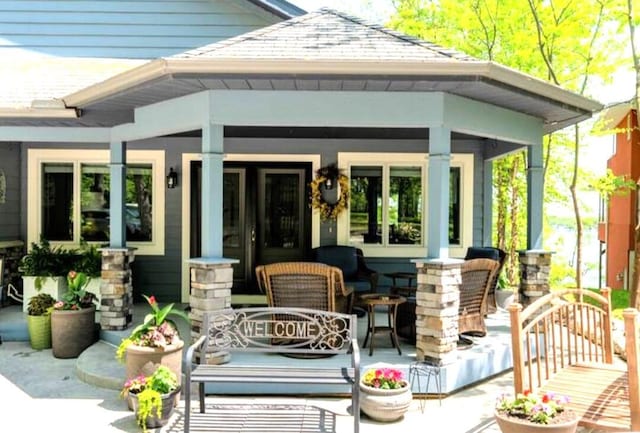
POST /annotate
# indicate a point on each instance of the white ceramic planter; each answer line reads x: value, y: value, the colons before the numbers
x: 54, y: 286
x: 385, y: 404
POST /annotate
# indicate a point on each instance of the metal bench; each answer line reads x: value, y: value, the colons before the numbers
x: 292, y: 331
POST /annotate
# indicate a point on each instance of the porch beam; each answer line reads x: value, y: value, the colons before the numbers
x: 535, y: 196
x: 117, y: 181
x: 326, y: 108
x: 486, y: 120
x: 62, y: 134
x: 438, y: 187
x: 212, y: 177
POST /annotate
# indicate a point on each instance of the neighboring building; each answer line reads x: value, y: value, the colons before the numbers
x: 617, y: 231
x: 246, y: 122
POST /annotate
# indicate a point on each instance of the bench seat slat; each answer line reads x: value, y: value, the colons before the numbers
x: 224, y: 373
x: 598, y: 395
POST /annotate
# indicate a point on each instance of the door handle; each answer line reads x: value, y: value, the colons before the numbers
x: 253, y: 235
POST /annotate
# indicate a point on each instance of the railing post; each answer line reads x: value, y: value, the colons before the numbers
x: 516, y: 347
x: 631, y: 347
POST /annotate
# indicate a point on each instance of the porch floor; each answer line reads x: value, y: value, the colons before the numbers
x: 487, y: 357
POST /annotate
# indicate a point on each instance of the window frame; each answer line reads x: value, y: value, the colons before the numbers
x: 465, y: 161
x: 78, y: 157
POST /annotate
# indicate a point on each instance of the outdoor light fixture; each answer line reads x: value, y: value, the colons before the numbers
x: 172, y: 179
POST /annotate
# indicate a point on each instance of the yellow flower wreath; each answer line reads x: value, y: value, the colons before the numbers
x: 329, y: 211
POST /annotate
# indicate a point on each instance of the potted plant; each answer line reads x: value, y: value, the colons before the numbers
x: 384, y: 394
x: 89, y: 262
x: 39, y: 320
x: 73, y: 318
x: 40, y: 269
x: 152, y: 397
x: 535, y: 413
x: 156, y: 341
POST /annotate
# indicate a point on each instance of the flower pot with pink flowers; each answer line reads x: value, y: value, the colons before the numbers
x: 156, y: 341
x: 385, y: 395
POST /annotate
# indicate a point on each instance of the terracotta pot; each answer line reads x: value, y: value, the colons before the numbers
x: 145, y: 360
x: 515, y: 425
x: 153, y: 420
x: 385, y: 404
x: 72, y: 331
x: 39, y: 331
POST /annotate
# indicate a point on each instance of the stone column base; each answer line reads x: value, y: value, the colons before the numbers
x: 211, y: 280
x: 116, y: 288
x: 535, y: 267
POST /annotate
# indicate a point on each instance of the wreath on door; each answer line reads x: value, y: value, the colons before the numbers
x: 325, y: 180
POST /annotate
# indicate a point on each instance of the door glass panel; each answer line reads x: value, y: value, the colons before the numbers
x: 231, y: 210
x: 282, y: 210
x: 405, y: 205
x: 57, y: 202
x: 365, y: 205
x: 454, y: 205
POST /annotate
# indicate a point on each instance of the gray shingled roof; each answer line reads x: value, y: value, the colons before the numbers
x: 326, y: 35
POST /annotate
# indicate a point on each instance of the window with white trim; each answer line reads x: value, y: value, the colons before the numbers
x: 387, y: 213
x: 59, y: 179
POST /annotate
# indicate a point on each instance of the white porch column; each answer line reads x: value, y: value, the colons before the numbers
x: 438, y: 187
x: 535, y: 195
x: 117, y: 183
x: 212, y: 177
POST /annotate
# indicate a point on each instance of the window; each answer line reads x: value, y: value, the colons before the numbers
x: 387, y: 208
x: 60, y: 179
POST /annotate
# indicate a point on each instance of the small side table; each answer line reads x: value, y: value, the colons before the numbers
x: 425, y: 370
x: 370, y: 301
x: 397, y: 288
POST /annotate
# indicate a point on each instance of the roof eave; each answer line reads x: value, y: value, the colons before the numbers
x: 175, y: 66
x: 38, y: 113
x: 282, y: 9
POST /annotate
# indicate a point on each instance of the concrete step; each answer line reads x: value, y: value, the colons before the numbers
x: 98, y: 366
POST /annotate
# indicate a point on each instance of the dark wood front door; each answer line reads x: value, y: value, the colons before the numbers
x: 265, y: 217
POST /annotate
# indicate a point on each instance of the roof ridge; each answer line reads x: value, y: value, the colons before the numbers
x: 449, y: 52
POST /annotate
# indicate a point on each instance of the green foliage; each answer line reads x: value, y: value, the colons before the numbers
x: 149, y: 391
x: 610, y: 185
x: 40, y: 305
x: 76, y: 297
x: 89, y: 260
x: 47, y: 261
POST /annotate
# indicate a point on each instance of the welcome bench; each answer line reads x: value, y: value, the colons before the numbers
x: 290, y: 331
x: 562, y: 343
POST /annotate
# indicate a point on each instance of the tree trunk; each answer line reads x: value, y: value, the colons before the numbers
x: 576, y: 208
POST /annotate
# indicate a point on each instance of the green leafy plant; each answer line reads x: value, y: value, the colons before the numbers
x: 157, y: 330
x: 89, y: 260
x: 384, y: 378
x: 43, y: 261
x: 538, y: 409
x: 149, y: 391
x: 40, y: 305
x: 76, y: 297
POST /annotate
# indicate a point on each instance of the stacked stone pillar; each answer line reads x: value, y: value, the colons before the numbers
x: 211, y: 280
x: 437, y: 303
x: 535, y: 267
x: 116, y: 288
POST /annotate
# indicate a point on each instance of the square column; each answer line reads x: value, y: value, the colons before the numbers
x: 437, y: 304
x: 117, y: 194
x: 116, y: 288
x: 535, y: 196
x: 438, y: 189
x: 211, y: 280
x: 535, y: 267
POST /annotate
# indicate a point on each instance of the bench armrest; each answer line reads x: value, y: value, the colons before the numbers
x: 187, y: 360
x: 355, y: 360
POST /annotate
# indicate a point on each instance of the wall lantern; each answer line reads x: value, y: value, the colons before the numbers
x: 172, y: 179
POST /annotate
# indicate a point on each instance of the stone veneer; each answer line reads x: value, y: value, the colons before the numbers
x: 437, y: 302
x: 535, y: 266
x: 116, y: 288
x: 211, y: 280
x: 12, y: 252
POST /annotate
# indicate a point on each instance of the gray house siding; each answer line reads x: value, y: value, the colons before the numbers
x: 139, y: 29
x: 10, y: 209
x: 160, y: 275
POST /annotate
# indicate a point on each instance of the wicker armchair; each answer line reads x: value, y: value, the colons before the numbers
x: 477, y: 277
x: 305, y: 285
x: 494, y: 254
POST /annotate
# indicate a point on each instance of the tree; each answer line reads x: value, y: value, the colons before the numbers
x: 561, y: 41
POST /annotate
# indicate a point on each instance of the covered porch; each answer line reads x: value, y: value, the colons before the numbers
x: 336, y: 91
